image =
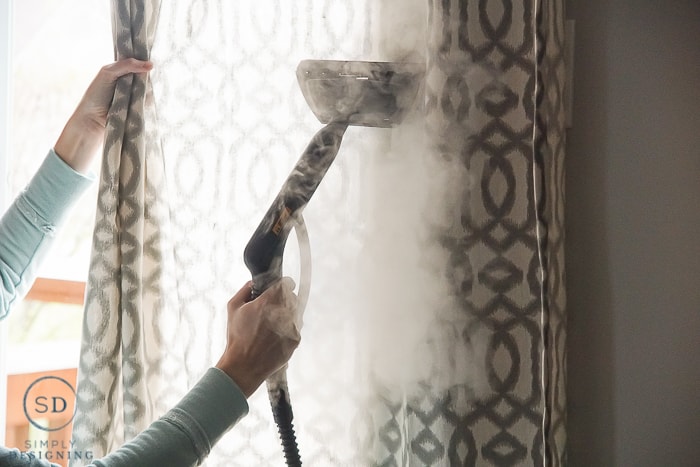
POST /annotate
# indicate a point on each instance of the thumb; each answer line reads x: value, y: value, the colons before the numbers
x: 243, y: 296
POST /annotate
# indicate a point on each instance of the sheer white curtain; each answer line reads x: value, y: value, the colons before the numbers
x: 434, y: 330
x: 232, y: 121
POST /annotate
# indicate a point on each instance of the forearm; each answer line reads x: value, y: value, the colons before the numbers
x: 79, y: 142
x: 28, y: 226
x: 15, y: 458
x: 186, y: 434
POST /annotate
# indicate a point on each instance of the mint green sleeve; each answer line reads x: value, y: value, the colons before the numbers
x: 28, y: 227
x: 15, y: 458
x: 185, y: 435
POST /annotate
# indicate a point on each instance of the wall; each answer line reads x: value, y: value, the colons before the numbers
x: 633, y: 234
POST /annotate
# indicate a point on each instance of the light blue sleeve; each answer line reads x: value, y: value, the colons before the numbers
x: 15, y: 458
x: 29, y: 225
x: 183, y: 437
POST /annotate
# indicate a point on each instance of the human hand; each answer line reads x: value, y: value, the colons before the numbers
x: 262, y: 334
x: 83, y: 134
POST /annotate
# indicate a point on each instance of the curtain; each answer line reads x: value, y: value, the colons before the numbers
x: 435, y: 329
x: 123, y: 330
x: 494, y: 110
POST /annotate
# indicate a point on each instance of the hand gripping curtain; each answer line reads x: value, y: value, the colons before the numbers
x: 122, y: 334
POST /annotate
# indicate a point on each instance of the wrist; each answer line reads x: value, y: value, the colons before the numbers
x: 245, y: 380
x: 79, y: 142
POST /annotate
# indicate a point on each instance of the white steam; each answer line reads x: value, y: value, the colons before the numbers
x: 415, y: 333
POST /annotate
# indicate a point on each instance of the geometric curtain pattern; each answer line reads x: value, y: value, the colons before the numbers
x: 221, y: 130
x: 494, y: 116
x: 232, y: 122
x: 487, y: 369
x: 122, y: 330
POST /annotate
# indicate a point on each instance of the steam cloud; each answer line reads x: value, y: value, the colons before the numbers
x: 418, y: 336
x: 416, y: 331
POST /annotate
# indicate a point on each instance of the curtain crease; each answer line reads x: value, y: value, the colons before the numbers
x: 121, y: 320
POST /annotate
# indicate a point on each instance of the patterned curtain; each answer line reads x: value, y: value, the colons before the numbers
x: 123, y: 329
x: 490, y: 239
x: 494, y: 116
x: 435, y: 330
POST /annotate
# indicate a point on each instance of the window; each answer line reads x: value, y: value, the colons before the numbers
x: 56, y: 48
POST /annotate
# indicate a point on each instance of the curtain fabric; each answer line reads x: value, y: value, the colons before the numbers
x: 435, y: 329
x: 122, y: 327
x: 494, y: 108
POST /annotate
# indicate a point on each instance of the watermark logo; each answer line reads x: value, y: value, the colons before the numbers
x: 48, y: 400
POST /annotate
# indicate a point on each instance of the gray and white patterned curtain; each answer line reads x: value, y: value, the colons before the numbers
x: 435, y: 330
x: 124, y: 330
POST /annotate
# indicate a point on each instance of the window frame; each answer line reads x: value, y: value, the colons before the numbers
x: 47, y: 289
x: 6, y: 9
x: 43, y: 289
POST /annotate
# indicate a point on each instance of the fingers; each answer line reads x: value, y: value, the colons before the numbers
x: 278, y: 305
x: 109, y: 74
x: 281, y: 309
x: 281, y: 291
x: 83, y: 133
x: 287, y: 285
x: 261, y: 334
x: 242, y: 296
x: 126, y: 66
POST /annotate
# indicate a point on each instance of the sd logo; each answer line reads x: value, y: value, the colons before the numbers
x: 47, y: 398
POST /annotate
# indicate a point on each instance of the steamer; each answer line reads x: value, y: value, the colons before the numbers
x: 340, y: 94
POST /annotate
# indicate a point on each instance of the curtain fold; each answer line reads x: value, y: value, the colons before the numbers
x: 550, y: 140
x: 121, y: 326
x: 435, y: 330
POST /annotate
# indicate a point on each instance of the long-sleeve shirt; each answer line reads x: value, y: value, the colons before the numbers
x: 28, y: 227
x: 183, y: 436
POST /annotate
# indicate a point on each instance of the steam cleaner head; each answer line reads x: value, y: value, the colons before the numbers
x: 376, y: 94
